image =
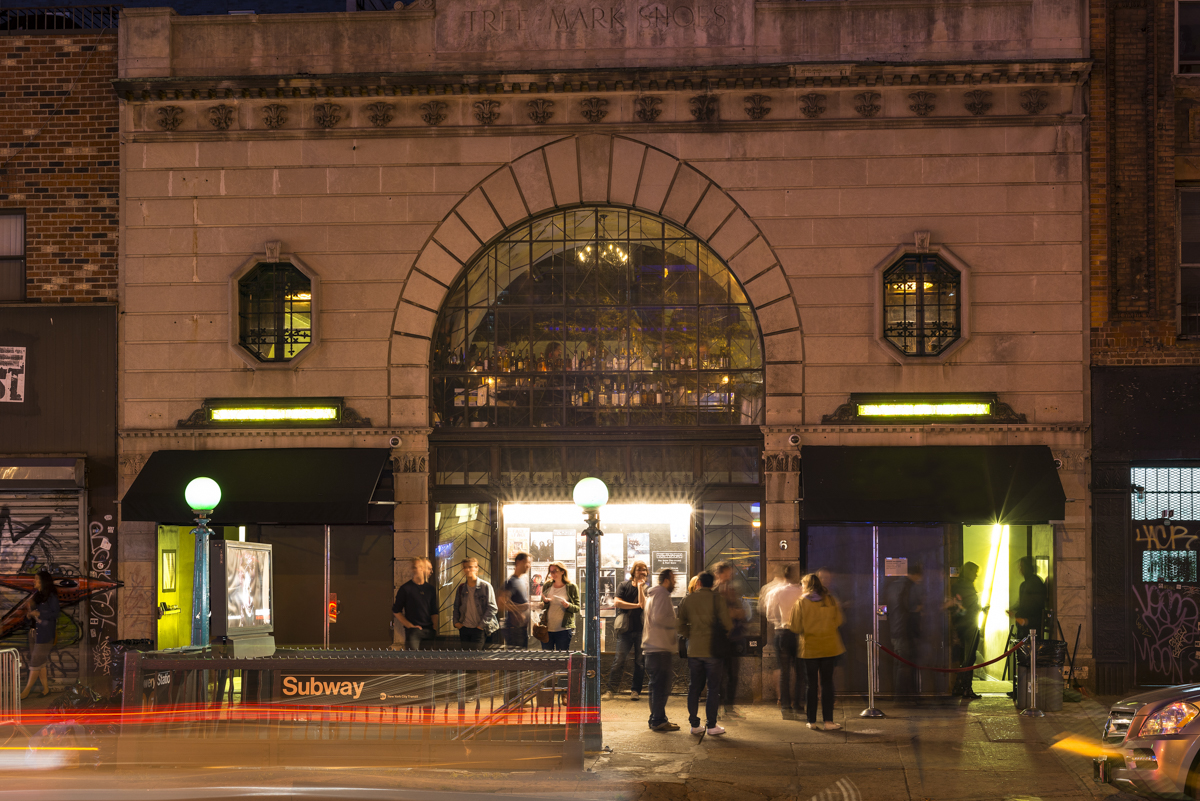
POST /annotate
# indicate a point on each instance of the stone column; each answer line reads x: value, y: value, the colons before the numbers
x: 1071, y: 599
x: 411, y: 521
x: 781, y: 529
x: 136, y: 549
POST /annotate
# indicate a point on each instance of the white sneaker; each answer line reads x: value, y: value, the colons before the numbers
x: 714, y: 731
x: 606, y: 697
x: 831, y: 726
x: 812, y: 725
x: 697, y: 730
x: 634, y: 696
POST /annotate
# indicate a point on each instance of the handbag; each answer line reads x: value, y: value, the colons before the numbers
x: 541, y: 632
x: 683, y: 648
x: 621, y: 624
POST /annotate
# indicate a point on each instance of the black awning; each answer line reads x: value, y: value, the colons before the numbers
x: 1013, y: 484
x: 270, y: 485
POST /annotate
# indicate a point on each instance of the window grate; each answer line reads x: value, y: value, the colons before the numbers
x: 275, y: 311
x: 1169, y: 566
x: 1157, y: 489
x: 921, y: 305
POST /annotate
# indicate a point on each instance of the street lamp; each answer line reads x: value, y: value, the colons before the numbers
x: 202, y: 496
x: 590, y: 495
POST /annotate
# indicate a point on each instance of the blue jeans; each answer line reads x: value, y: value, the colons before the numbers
x: 516, y: 637
x: 559, y: 641
x: 627, y: 641
x: 414, y: 637
x: 704, y: 670
x: 791, y: 670
x: 658, y: 665
x: 472, y: 639
x: 820, y: 670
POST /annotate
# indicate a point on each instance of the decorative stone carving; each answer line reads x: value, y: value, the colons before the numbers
x: 326, y: 114
x: 170, y: 117
x: 922, y: 241
x: 1072, y: 460
x: 756, y: 106
x: 781, y: 462
x: 647, y: 108
x: 272, y: 250
x: 485, y: 111
x: 704, y: 107
x: 868, y: 103
x: 274, y: 115
x: 539, y: 110
x: 380, y: 114
x: 221, y: 117
x: 593, y: 109
x: 132, y: 463
x: 412, y: 463
x: 433, y: 112
x: 1034, y: 100
x: 923, y: 104
x: 812, y: 105
x: 977, y: 101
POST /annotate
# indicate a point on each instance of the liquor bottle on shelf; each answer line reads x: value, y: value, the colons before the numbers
x: 655, y: 363
x: 658, y: 394
x: 620, y: 397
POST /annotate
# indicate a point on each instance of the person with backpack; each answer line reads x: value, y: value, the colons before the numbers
x: 816, y: 618
x: 704, y: 620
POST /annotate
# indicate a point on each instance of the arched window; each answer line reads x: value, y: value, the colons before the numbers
x: 597, y: 317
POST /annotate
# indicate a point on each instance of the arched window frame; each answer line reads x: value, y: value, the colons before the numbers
x: 272, y: 256
x: 922, y: 247
x: 751, y: 371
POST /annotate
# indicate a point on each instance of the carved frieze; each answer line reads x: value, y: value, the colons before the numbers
x: 380, y: 114
x: 326, y: 114
x: 433, y: 112
x: 485, y: 111
x: 704, y: 107
x: 593, y: 109
x: 867, y: 103
x: 647, y: 108
x: 540, y: 110
x: 274, y: 115
x: 976, y: 101
x: 1034, y: 100
x: 132, y: 463
x: 221, y: 117
x: 756, y: 106
x: 812, y: 105
x: 412, y: 463
x: 170, y: 118
x: 781, y: 462
x: 922, y: 103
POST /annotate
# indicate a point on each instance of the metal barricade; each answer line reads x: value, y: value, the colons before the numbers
x: 10, y: 682
x: 429, y: 702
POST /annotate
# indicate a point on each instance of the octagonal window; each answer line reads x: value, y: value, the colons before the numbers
x: 275, y: 311
x: 922, y: 304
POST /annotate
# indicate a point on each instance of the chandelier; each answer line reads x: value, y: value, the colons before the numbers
x: 604, y: 251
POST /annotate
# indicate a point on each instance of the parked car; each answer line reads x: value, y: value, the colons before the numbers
x: 1153, y: 740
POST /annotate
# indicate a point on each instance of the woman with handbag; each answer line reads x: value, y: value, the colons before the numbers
x: 560, y: 600
x: 43, y: 610
x: 815, y: 620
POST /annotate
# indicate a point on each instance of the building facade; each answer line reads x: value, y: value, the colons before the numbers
x: 825, y: 306
x: 59, y: 181
x: 1145, y: 341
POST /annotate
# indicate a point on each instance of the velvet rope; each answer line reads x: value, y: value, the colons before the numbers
x: 1004, y: 655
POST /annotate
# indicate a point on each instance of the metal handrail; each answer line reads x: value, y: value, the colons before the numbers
x: 60, y: 18
x: 10, y: 682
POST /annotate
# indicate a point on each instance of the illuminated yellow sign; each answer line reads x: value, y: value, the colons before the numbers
x: 924, y: 409
x: 247, y: 415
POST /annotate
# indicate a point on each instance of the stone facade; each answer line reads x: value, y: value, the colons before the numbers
x: 803, y: 168
x: 58, y: 160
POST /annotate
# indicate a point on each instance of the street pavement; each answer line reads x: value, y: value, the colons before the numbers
x: 943, y: 750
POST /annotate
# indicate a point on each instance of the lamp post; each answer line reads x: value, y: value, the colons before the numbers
x: 202, y: 495
x: 590, y: 495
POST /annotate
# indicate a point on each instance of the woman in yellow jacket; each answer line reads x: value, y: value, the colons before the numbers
x: 815, y: 620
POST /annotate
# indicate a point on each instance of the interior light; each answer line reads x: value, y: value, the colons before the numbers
x: 923, y: 409
x: 676, y: 515
x: 248, y: 414
x: 300, y: 296
x: 241, y: 533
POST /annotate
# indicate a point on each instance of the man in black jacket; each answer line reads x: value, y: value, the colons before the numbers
x: 1031, y: 600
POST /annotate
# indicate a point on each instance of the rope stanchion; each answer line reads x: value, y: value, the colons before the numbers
x: 1032, y: 711
x: 871, y: 711
x: 897, y: 656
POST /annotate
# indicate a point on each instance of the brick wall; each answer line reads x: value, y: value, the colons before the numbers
x: 1134, y: 143
x: 59, y: 160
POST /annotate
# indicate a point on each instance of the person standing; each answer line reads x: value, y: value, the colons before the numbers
x: 778, y: 609
x: 514, y: 600
x: 964, y: 617
x: 816, y: 618
x: 560, y: 599
x: 702, y: 618
x: 1031, y: 600
x: 474, y: 608
x: 659, y: 643
x: 43, y: 610
x: 630, y: 604
x: 904, y: 605
x: 728, y: 588
x: 415, y: 607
